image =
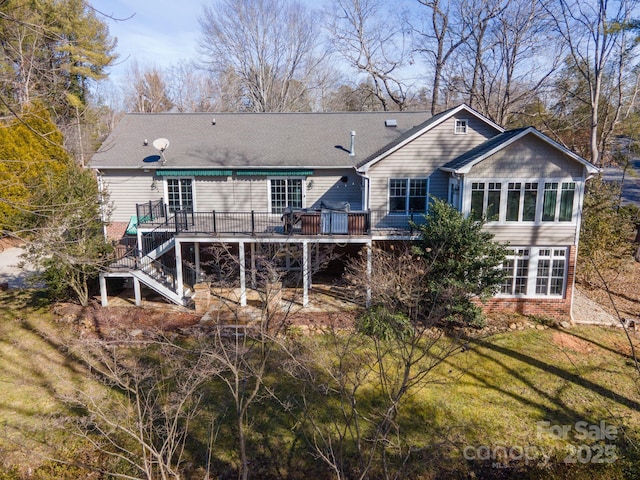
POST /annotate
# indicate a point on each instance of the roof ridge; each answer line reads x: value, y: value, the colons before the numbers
x: 416, y: 112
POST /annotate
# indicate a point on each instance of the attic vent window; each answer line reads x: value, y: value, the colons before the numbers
x: 461, y: 127
x: 391, y: 123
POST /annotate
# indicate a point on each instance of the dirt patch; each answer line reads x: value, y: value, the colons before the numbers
x: 327, y: 320
x: 159, y: 318
x: 10, y: 242
x: 566, y: 340
x: 107, y: 322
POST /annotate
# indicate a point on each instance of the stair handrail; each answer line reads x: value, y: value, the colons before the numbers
x: 157, y: 237
x: 161, y: 273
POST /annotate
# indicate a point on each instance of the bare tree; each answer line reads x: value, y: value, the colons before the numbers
x: 437, y: 38
x: 147, y: 90
x: 364, y: 377
x: 192, y: 90
x: 512, y: 61
x: 246, y: 351
x: 601, y: 48
x: 372, y: 42
x: 143, y: 426
x: 269, y: 46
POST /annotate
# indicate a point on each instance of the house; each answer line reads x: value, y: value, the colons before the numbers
x: 179, y: 182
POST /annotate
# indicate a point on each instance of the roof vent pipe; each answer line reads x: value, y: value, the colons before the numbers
x: 352, y: 149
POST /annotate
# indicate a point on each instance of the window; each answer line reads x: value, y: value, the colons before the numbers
x: 513, y: 202
x: 485, y: 200
x: 521, y: 201
x: 180, y: 194
x: 516, y: 266
x: 461, y: 127
x: 550, y: 200
x: 285, y: 192
x: 535, y: 272
x: 530, y: 201
x: 408, y: 195
x: 566, y: 201
x: 551, y: 271
x: 562, y: 211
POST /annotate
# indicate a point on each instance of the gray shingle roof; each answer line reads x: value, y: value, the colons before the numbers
x: 237, y: 140
x: 401, y: 138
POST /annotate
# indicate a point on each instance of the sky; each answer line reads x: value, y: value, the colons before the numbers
x: 152, y: 32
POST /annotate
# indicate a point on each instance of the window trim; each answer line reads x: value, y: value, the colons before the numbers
x: 540, y: 196
x: 165, y: 186
x: 517, y: 255
x: 406, y: 211
x: 461, y: 126
x: 303, y: 182
x: 533, y: 260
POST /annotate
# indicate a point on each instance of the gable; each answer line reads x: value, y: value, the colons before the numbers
x: 541, y: 143
x: 528, y: 157
x: 437, y: 137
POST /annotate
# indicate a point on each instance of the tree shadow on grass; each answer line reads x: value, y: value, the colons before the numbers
x: 549, y: 368
x: 16, y: 300
x: 597, y: 344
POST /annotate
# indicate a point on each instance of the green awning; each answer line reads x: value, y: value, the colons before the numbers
x: 173, y: 172
x: 275, y: 172
x: 132, y: 228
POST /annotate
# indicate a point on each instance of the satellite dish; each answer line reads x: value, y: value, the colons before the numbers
x: 161, y: 144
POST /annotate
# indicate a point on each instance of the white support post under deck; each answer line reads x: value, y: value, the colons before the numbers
x: 306, y: 274
x: 369, y: 271
x: 103, y: 291
x: 136, y: 292
x: 243, y: 276
x: 196, y: 259
x: 179, y: 281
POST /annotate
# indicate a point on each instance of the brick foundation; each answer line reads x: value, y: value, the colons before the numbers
x: 116, y: 230
x: 557, y: 308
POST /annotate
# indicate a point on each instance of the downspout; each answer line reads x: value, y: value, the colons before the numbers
x: 365, y: 191
x: 461, y: 192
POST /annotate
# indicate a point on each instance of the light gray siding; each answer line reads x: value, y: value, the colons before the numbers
x: 528, y: 158
x: 422, y: 157
x: 228, y: 194
x: 243, y: 194
x: 231, y: 194
x: 538, y: 235
x: 328, y: 187
x: 126, y: 188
